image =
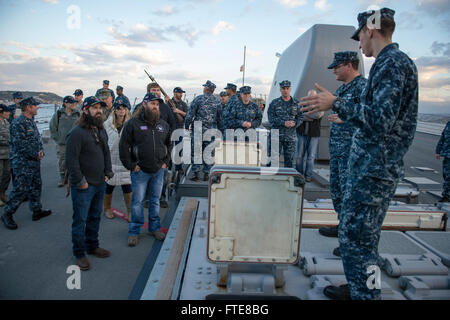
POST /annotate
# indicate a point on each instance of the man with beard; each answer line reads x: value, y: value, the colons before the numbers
x: 88, y: 162
x: 26, y: 152
x: 166, y: 114
x: 144, y: 149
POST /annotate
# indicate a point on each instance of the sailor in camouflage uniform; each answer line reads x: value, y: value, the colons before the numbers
x: 245, y: 114
x: 443, y: 150
x: 223, y: 100
x: 385, y: 121
x: 345, y: 67
x: 207, y: 109
x: 232, y: 98
x: 105, y: 87
x: 285, y: 115
x: 26, y: 153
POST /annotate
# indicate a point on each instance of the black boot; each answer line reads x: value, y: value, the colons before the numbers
x: 196, y: 177
x: 329, y: 232
x: 206, y: 176
x: 337, y: 252
x: 9, y: 221
x: 41, y: 214
x: 338, y: 293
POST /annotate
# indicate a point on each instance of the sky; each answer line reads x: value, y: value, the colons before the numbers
x: 58, y: 46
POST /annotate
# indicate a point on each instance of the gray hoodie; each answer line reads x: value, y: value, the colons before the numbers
x: 61, y: 123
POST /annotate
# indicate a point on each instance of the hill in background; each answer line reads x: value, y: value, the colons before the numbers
x: 43, y: 97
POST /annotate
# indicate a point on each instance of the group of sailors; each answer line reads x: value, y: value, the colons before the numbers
x: 373, y: 125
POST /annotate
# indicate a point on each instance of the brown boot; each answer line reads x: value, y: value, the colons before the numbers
x: 83, y: 263
x: 107, y: 206
x: 3, y: 197
x: 127, y: 197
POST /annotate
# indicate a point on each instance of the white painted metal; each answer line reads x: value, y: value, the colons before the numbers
x: 254, y: 215
x: 238, y: 154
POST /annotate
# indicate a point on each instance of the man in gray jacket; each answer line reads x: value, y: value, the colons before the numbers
x: 5, y: 168
x: 62, y: 122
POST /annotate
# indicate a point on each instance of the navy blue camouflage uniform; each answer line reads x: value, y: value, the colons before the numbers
x: 206, y: 108
x: 340, y: 142
x: 443, y: 149
x: 25, y: 145
x: 385, y: 121
x: 241, y: 112
x: 279, y: 112
x: 226, y: 113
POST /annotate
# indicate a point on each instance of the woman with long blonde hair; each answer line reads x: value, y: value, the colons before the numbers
x: 113, y: 126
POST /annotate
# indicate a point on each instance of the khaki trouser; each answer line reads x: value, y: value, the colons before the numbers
x: 61, y: 153
x: 5, y: 174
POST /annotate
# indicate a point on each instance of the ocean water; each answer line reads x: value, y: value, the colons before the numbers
x: 44, y: 114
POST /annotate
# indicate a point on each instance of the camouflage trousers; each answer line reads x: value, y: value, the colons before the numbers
x: 196, y: 166
x: 288, y: 144
x: 338, y: 175
x: 446, y: 172
x: 61, y: 154
x: 27, y: 184
x: 5, y: 174
x: 365, y: 204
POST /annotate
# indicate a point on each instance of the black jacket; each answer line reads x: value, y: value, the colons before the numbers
x: 87, y: 160
x: 310, y: 128
x: 145, y: 145
x: 165, y: 113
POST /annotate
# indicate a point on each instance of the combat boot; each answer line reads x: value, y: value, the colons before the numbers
x: 107, y: 199
x: 37, y: 215
x: 206, y: 176
x: 196, y: 177
x: 338, y: 293
x: 9, y: 222
x: 329, y: 232
x: 337, y: 252
x: 444, y: 199
x: 127, y: 197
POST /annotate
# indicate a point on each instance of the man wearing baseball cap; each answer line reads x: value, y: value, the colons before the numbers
x: 62, y: 121
x: 122, y: 97
x: 26, y: 153
x: 78, y: 94
x: 144, y: 149
x: 88, y: 163
x: 385, y: 120
x: 15, y: 108
x: 105, y: 87
x: 207, y: 109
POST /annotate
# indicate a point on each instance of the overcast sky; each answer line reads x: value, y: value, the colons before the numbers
x: 45, y: 47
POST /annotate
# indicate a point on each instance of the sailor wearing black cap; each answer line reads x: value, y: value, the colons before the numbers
x: 105, y: 87
x: 14, y: 109
x: 26, y: 153
x: 78, y: 94
x: 123, y: 98
x: 62, y: 121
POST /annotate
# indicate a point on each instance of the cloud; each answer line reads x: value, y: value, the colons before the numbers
x: 292, y: 3
x: 322, y: 5
x: 141, y: 34
x: 166, y: 11
x: 222, y: 26
x: 438, y: 48
x: 253, y: 53
x: 409, y: 20
x: 434, y: 7
x: 116, y: 53
x: 51, y: 1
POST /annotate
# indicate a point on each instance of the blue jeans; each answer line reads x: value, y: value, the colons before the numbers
x: 306, y: 152
x: 87, y: 209
x: 139, y: 182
